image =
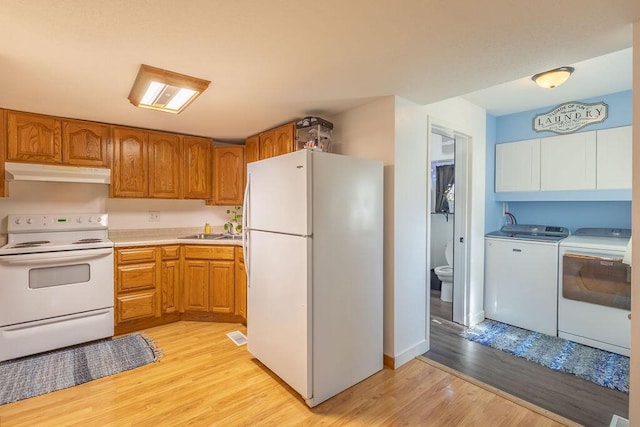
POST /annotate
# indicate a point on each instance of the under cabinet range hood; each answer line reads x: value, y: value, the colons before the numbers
x: 56, y: 173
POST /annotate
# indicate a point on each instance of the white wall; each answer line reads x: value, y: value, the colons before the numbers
x: 462, y: 116
x: 410, y: 224
x: 368, y: 132
x: 634, y: 410
x: 53, y: 197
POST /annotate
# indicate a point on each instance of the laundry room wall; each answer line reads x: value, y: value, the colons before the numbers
x: 598, y: 208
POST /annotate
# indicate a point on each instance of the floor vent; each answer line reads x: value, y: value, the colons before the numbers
x: 237, y: 337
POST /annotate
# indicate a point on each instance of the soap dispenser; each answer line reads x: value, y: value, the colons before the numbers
x: 207, y: 228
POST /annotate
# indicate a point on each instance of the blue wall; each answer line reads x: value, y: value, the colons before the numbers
x: 588, y: 208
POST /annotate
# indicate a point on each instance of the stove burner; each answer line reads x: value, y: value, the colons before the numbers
x: 31, y: 244
x: 81, y: 241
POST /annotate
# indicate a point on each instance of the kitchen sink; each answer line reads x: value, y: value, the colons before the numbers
x: 220, y: 236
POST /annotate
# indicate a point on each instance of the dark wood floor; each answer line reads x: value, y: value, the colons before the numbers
x: 564, y: 394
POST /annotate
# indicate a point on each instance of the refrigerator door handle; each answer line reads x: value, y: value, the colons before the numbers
x: 245, y: 224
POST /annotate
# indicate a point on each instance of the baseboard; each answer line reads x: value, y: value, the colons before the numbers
x: 407, y: 355
x: 388, y: 361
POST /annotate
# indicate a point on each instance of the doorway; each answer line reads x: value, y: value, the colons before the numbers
x: 447, y: 222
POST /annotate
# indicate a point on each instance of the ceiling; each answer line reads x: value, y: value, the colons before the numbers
x: 273, y: 61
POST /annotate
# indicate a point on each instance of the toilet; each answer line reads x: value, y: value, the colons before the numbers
x: 445, y: 274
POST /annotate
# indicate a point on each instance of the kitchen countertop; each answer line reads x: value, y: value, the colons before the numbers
x: 166, y: 236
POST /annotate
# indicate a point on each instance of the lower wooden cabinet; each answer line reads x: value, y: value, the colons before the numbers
x: 240, y: 285
x: 170, y: 278
x: 209, y: 279
x: 136, y: 284
x: 163, y: 284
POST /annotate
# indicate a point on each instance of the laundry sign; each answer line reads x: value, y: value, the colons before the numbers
x: 570, y: 116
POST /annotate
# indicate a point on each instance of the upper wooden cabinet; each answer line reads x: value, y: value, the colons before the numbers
x: 197, y: 168
x: 130, y: 163
x: 33, y: 138
x: 3, y: 145
x: 165, y: 158
x: 228, y: 164
x: 273, y: 142
x: 85, y: 143
x: 252, y: 149
x: 285, y: 139
x: 267, y: 144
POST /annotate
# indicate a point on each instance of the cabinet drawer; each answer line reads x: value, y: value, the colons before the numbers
x: 136, y: 306
x: 130, y: 255
x: 239, y: 255
x: 209, y: 252
x: 170, y: 252
x: 133, y: 277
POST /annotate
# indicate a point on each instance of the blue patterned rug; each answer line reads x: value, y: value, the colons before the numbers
x: 601, y: 367
x: 54, y: 370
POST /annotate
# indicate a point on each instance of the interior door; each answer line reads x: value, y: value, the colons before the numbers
x: 279, y: 306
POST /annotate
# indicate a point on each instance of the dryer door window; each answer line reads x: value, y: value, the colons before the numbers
x: 597, y: 280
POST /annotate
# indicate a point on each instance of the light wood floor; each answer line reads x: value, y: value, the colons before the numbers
x: 204, y: 379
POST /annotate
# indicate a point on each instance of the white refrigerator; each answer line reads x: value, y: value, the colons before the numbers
x: 313, y: 246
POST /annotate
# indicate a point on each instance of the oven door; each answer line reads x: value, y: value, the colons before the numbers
x: 46, y: 285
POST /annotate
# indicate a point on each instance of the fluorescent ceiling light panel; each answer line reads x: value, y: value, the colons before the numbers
x: 163, y: 90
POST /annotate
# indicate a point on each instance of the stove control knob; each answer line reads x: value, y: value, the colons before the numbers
x: 79, y: 220
x: 29, y: 221
x: 90, y: 219
x: 18, y: 221
x: 99, y: 219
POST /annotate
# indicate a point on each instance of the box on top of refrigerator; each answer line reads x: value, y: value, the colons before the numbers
x: 314, y: 133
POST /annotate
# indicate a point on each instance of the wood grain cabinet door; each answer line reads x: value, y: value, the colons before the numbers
x: 195, y: 296
x: 267, y: 144
x: 130, y: 163
x: 252, y: 148
x: 3, y: 150
x: 33, y: 138
x: 197, y: 168
x: 222, y: 275
x: 240, y: 296
x: 285, y: 136
x: 165, y: 159
x: 170, y: 285
x: 228, y: 165
x: 85, y: 144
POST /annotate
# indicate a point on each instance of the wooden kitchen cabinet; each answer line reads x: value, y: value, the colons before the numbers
x: 285, y: 139
x: 33, y: 138
x: 228, y: 165
x: 165, y: 159
x: 197, y: 168
x: 240, y: 285
x: 136, y: 284
x: 170, y: 278
x: 252, y: 149
x: 267, y: 144
x: 85, y: 144
x: 208, y: 279
x: 3, y: 147
x: 130, y: 163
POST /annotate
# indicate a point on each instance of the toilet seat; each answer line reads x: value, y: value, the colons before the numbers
x: 444, y: 270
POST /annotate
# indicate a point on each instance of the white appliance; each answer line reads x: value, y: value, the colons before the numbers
x: 312, y: 236
x: 521, y: 276
x: 594, y: 292
x: 57, y: 283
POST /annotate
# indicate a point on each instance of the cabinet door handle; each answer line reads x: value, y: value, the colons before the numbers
x: 517, y: 250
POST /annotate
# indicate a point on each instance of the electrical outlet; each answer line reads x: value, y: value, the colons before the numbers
x: 154, y: 216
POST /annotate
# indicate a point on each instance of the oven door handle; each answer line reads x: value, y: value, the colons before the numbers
x: 47, y: 258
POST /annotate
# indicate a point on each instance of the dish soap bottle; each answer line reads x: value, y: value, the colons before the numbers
x: 207, y: 228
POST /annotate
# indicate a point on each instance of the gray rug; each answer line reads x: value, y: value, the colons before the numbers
x: 601, y: 367
x: 54, y: 370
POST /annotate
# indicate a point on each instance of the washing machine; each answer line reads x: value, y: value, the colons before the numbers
x: 594, y: 289
x: 521, y: 276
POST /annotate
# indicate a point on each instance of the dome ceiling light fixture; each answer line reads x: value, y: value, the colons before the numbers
x: 164, y: 90
x: 553, y: 78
